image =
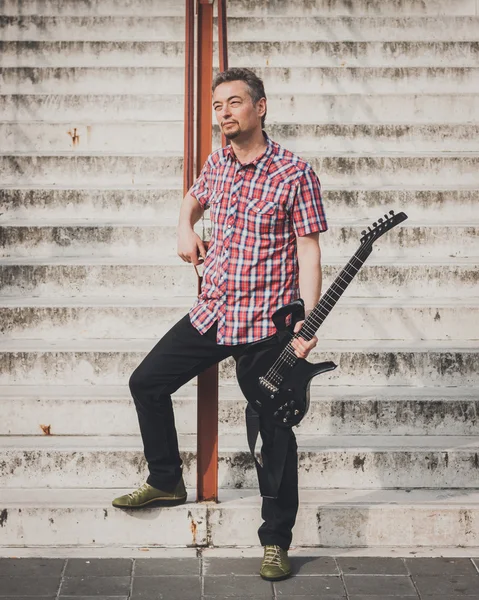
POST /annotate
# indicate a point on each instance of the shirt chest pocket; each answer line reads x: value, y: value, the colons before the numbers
x: 214, y: 204
x: 262, y: 215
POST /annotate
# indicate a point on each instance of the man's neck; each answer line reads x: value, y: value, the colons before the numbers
x: 247, y: 150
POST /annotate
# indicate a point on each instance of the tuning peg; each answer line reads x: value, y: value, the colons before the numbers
x: 391, y: 212
x: 386, y: 217
x: 364, y: 232
x: 369, y: 228
x: 375, y: 224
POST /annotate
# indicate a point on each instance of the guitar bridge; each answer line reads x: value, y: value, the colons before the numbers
x: 269, y: 387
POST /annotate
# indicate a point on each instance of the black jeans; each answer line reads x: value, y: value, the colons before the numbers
x: 179, y: 356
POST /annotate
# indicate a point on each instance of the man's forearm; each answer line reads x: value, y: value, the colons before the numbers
x: 310, y: 277
x: 191, y: 212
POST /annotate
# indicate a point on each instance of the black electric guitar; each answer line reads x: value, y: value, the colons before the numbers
x: 274, y: 380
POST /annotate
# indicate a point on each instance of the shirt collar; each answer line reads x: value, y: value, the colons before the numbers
x: 267, y: 154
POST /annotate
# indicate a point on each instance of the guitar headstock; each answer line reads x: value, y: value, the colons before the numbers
x: 379, y: 228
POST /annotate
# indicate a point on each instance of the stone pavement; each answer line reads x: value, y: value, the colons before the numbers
x: 214, y: 578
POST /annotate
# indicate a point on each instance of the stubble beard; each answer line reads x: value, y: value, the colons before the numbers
x: 231, y: 134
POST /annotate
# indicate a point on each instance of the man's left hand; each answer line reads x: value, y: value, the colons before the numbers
x: 301, y: 347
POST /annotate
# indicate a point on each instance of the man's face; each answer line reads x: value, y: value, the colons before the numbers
x: 234, y: 109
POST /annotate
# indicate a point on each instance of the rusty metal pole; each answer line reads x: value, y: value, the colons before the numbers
x: 207, y: 449
x: 189, y: 132
x: 223, y: 45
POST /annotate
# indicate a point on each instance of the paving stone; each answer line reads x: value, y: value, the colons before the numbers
x: 380, y: 585
x: 368, y: 565
x: 232, y: 566
x: 155, y: 567
x: 104, y: 567
x: 453, y: 586
x: 311, y: 586
x: 40, y: 597
x: 29, y: 586
x: 315, y: 597
x: 314, y: 565
x: 95, y: 586
x: 361, y: 597
x: 89, y: 598
x: 440, y: 566
x: 31, y: 567
x: 166, y: 588
x: 242, y: 585
x: 244, y: 597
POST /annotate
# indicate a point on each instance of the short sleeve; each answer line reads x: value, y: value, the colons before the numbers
x: 308, y: 212
x: 200, y: 189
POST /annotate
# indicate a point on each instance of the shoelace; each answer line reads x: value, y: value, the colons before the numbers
x: 138, y: 492
x: 272, y: 555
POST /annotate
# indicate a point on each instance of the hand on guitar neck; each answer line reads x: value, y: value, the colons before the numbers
x: 302, y: 347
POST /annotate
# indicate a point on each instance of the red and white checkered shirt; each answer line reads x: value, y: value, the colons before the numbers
x: 251, y: 268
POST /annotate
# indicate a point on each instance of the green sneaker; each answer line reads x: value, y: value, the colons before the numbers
x: 275, y: 565
x: 148, y: 496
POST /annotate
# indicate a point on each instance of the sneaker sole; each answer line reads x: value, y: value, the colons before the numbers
x: 155, y: 502
x: 276, y: 578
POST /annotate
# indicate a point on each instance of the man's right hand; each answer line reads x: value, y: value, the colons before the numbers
x: 191, y: 249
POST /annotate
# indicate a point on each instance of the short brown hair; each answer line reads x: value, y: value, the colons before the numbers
x: 254, y: 83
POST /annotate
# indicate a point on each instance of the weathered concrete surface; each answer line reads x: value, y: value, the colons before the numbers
x: 109, y: 410
x: 362, y: 462
x: 294, y: 107
x: 74, y: 278
x: 136, y: 241
x: 145, y: 169
x: 244, y: 27
x: 360, y: 518
x: 249, y: 54
x: 113, y: 137
x: 241, y: 7
x: 327, y: 518
x: 111, y: 362
x: 352, y: 319
x: 332, y: 80
x: 156, y: 204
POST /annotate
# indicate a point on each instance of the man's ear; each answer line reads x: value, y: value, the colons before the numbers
x: 261, y: 107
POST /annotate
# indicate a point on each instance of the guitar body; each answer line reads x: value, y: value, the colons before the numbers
x: 289, y: 403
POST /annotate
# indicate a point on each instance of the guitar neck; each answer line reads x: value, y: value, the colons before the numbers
x: 322, y: 309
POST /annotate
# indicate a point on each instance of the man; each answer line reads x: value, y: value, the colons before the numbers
x: 266, y: 214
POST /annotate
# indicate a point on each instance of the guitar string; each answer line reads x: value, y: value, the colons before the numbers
x: 345, y: 271
x: 288, y: 350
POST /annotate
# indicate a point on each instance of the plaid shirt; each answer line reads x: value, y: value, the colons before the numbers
x: 251, y: 268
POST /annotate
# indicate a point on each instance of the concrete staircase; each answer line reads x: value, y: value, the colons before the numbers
x: 383, y: 99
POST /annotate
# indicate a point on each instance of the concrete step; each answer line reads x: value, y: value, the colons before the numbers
x: 353, y: 318
x: 245, y: 27
x: 344, y: 109
x: 155, y: 204
x: 360, y: 362
x: 312, y: 80
x: 353, y: 411
x: 68, y: 277
x: 156, y: 136
x: 247, y: 53
x: 84, y: 518
x: 351, y: 462
x: 240, y: 7
x: 136, y: 240
x: 346, y: 170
